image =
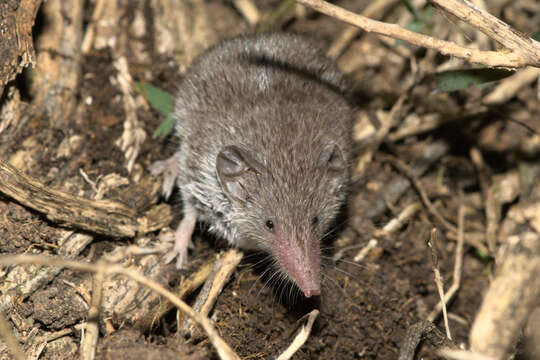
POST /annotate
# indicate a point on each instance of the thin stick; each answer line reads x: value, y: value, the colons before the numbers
x: 55, y: 335
x: 380, y: 136
x: 223, y: 268
x: 88, y: 39
x: 423, y: 195
x: 431, y: 153
x: 397, y: 222
x: 438, y: 278
x: 88, y: 346
x: 281, y: 10
x: 458, y: 265
x: 507, y: 88
x: 360, y: 256
x: 514, y: 59
x: 496, y: 29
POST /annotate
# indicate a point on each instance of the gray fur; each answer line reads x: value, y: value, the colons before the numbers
x: 278, y: 98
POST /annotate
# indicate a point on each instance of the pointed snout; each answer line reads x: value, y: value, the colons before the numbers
x: 313, y: 291
x: 306, y: 275
x: 302, y: 266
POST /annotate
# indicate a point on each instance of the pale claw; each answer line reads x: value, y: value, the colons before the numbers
x: 170, y: 169
x: 181, y: 256
x: 182, y: 239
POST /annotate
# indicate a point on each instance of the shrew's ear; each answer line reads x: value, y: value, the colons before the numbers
x: 332, y: 158
x: 237, y: 171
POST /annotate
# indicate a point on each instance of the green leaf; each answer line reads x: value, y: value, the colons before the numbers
x: 421, y: 20
x: 165, y: 128
x: 459, y: 79
x: 416, y: 26
x: 428, y: 13
x: 536, y: 36
x: 160, y: 100
x: 482, y: 256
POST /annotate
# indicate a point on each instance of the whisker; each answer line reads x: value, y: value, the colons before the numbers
x: 270, y: 279
x: 353, y: 263
x: 345, y: 273
x: 336, y: 284
x: 260, y: 277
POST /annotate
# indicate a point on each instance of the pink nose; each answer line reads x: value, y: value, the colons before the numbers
x: 312, y: 292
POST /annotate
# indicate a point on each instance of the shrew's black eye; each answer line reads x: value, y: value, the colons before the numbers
x: 315, y: 220
x: 269, y: 224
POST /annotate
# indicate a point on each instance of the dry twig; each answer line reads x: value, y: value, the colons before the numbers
x: 88, y: 39
x: 361, y: 255
x: 458, y: 266
x: 492, y: 220
x: 423, y: 195
x: 524, y: 51
x: 382, y: 133
x: 91, y: 330
x: 397, y: 222
x: 507, y: 88
x: 186, y: 287
x: 223, y: 268
x: 431, y: 153
x: 432, y: 243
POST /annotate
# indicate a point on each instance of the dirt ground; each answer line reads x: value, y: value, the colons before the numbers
x: 366, y: 305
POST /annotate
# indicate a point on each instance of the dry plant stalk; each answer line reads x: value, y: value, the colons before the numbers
x: 300, y: 338
x: 458, y: 266
x: 89, y: 342
x: 438, y: 278
x: 186, y: 286
x: 407, y: 171
x: 133, y: 136
x: 223, y: 269
x: 430, y: 155
x: 509, y: 87
x: 524, y: 51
